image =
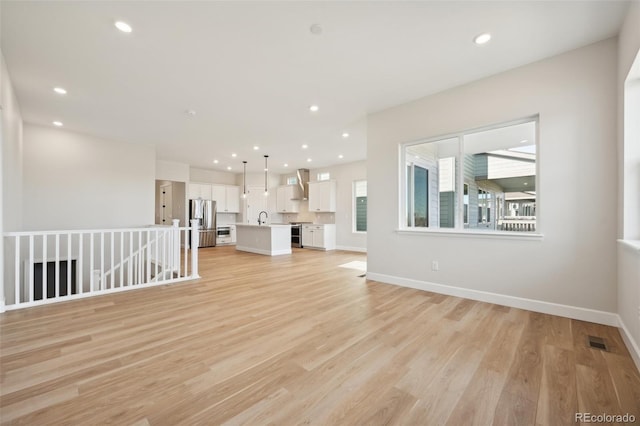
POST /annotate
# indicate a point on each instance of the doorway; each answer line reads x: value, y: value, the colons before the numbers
x: 170, y: 203
x: 166, y: 204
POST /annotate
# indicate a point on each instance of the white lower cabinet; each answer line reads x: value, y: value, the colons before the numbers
x: 234, y: 239
x: 319, y: 236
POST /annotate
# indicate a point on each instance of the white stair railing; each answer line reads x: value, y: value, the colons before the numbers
x: 50, y: 266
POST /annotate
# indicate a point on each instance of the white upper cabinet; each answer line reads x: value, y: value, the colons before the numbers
x: 200, y: 190
x: 322, y: 196
x: 233, y: 199
x: 284, y: 200
x: 227, y: 198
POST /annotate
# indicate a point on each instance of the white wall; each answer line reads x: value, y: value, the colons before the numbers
x: 211, y: 176
x: 12, y: 152
x: 171, y: 170
x: 575, y: 263
x: 76, y: 181
x: 629, y: 181
x: 10, y: 170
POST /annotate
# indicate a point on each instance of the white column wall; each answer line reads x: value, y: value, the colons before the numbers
x: 628, y: 278
x: 10, y: 169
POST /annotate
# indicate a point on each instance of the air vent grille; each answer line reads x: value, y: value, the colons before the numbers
x: 597, y: 343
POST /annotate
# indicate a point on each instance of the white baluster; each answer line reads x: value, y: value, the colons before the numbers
x: 102, y: 278
x: 44, y: 267
x: 57, y: 267
x: 195, y: 242
x: 186, y: 252
x: 69, y: 264
x: 121, y: 259
x: 112, y: 272
x: 148, y: 257
x: 176, y: 247
x: 80, y: 274
x: 17, y: 271
x: 91, y: 269
x: 129, y: 269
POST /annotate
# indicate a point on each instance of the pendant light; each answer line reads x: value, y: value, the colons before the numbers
x: 244, y: 179
x: 266, y: 169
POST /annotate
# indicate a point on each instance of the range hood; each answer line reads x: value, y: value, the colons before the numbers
x: 303, y: 184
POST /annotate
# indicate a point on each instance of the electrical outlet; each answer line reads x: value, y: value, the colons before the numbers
x: 435, y: 266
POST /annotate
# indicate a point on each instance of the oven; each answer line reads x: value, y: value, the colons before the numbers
x: 223, y: 235
x: 296, y: 235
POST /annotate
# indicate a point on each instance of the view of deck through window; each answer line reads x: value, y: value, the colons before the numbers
x: 482, y: 180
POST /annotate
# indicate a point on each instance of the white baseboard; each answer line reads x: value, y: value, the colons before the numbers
x: 574, y: 312
x: 347, y: 248
x: 632, y: 345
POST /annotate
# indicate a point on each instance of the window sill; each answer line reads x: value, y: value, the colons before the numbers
x: 472, y: 234
x: 631, y: 244
x: 359, y: 232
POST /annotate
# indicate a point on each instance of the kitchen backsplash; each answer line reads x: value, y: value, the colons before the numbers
x: 226, y: 219
x: 320, y: 218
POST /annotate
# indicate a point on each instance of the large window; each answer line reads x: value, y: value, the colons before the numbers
x: 480, y: 180
x: 360, y: 205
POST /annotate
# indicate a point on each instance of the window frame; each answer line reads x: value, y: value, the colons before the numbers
x: 459, y: 228
x: 323, y: 176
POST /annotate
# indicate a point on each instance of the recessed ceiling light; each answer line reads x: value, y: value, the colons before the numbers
x: 228, y: 167
x: 234, y: 155
x: 215, y: 161
x: 305, y: 146
x: 57, y: 123
x: 286, y: 165
x: 60, y: 90
x: 190, y: 112
x: 482, y: 38
x: 255, y: 148
x: 341, y: 156
x: 345, y: 135
x: 524, y: 141
x: 123, y: 26
x: 315, y: 29
x: 308, y: 160
x: 314, y: 108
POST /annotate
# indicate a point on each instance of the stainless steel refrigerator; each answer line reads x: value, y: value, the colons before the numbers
x: 205, y: 212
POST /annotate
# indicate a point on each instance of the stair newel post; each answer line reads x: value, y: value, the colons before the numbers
x: 195, y: 242
x: 175, y: 255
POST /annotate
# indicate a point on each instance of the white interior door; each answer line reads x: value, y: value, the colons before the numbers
x: 256, y: 202
x: 166, y: 204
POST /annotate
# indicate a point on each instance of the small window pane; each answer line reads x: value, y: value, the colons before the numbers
x: 360, y: 208
x: 501, y: 166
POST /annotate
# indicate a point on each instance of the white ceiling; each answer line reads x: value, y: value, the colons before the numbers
x: 250, y: 70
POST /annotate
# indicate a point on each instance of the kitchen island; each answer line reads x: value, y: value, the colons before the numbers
x: 270, y: 240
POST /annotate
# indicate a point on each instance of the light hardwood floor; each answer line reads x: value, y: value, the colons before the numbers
x: 298, y: 340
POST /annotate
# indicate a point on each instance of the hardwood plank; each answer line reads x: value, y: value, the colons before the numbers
x: 557, y: 403
x: 518, y: 401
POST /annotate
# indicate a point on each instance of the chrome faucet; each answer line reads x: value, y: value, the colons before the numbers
x: 260, y: 221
